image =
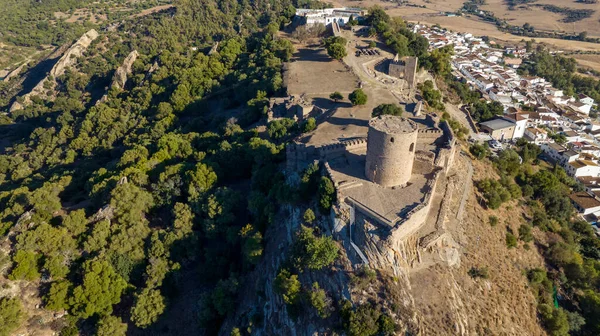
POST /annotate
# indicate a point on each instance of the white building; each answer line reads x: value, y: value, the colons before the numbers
x: 585, y: 203
x: 329, y: 15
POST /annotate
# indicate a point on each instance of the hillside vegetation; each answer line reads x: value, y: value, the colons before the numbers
x: 107, y: 208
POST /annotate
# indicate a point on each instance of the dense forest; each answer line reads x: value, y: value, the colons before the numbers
x: 110, y: 206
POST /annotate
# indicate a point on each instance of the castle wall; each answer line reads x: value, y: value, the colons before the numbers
x: 328, y: 152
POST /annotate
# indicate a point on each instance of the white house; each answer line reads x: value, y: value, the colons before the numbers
x: 585, y: 203
x: 536, y: 135
x: 585, y: 99
x: 579, y: 106
x: 582, y: 168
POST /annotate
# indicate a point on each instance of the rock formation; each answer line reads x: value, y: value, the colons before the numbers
x: 67, y: 60
x: 120, y: 77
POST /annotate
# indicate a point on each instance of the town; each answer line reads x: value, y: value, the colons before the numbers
x: 565, y: 127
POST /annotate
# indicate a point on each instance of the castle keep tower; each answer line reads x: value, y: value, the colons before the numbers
x: 390, y: 150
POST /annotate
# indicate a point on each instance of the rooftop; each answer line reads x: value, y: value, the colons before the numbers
x: 497, y: 124
x: 393, y: 125
x: 584, y: 200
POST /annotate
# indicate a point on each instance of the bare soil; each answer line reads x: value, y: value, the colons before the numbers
x: 313, y: 72
x: 451, y: 302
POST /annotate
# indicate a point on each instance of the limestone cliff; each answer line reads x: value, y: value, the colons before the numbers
x: 120, y: 76
x: 45, y: 87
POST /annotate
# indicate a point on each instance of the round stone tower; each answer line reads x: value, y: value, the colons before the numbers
x: 390, y: 150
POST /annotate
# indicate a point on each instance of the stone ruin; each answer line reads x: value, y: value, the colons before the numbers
x: 404, y: 68
x: 293, y: 107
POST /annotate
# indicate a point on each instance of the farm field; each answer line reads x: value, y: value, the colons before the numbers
x: 545, y: 20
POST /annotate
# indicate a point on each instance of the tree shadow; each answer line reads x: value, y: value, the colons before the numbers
x: 327, y: 104
x: 348, y: 121
x: 311, y: 55
x: 350, y: 164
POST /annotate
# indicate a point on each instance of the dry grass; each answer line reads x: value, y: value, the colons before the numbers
x: 545, y: 20
x: 588, y: 61
x: 313, y: 72
x: 453, y: 303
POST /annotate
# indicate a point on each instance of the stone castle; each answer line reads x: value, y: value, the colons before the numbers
x: 385, y: 182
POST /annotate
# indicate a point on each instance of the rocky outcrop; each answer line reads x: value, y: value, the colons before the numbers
x: 120, y: 77
x: 67, y: 60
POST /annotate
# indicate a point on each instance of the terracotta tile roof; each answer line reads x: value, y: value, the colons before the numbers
x: 584, y: 200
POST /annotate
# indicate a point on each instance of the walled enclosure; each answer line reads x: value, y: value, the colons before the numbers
x: 391, y: 143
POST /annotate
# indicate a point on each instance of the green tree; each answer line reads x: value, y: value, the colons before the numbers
x: 201, y: 179
x: 387, y: 109
x: 98, y: 238
x: 149, y: 305
x: 279, y: 128
x: 26, y: 266
x: 309, y: 125
x: 336, y: 96
x: 336, y: 51
x: 358, y: 97
x: 555, y: 320
x: 252, y: 248
x: 314, y: 252
x: 309, y: 216
x: 75, y: 222
x: 101, y: 288
x: 288, y: 286
x: 11, y: 315
x: 57, y: 266
x: 57, y: 297
x: 336, y: 47
x: 326, y: 193
x: 319, y: 301
x: 110, y: 325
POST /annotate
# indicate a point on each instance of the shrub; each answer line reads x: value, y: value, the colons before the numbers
x: 319, y: 301
x: 511, y: 240
x: 525, y: 233
x: 358, y: 97
x: 480, y: 152
x: 475, y: 272
x: 493, y: 221
x: 288, y: 286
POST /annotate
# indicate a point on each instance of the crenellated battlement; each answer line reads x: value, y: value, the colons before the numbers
x: 331, y: 150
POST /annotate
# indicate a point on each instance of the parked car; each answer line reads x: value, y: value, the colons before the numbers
x: 494, y: 144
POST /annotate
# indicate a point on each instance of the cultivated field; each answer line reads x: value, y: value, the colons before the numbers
x: 588, y: 61
x: 544, y: 20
